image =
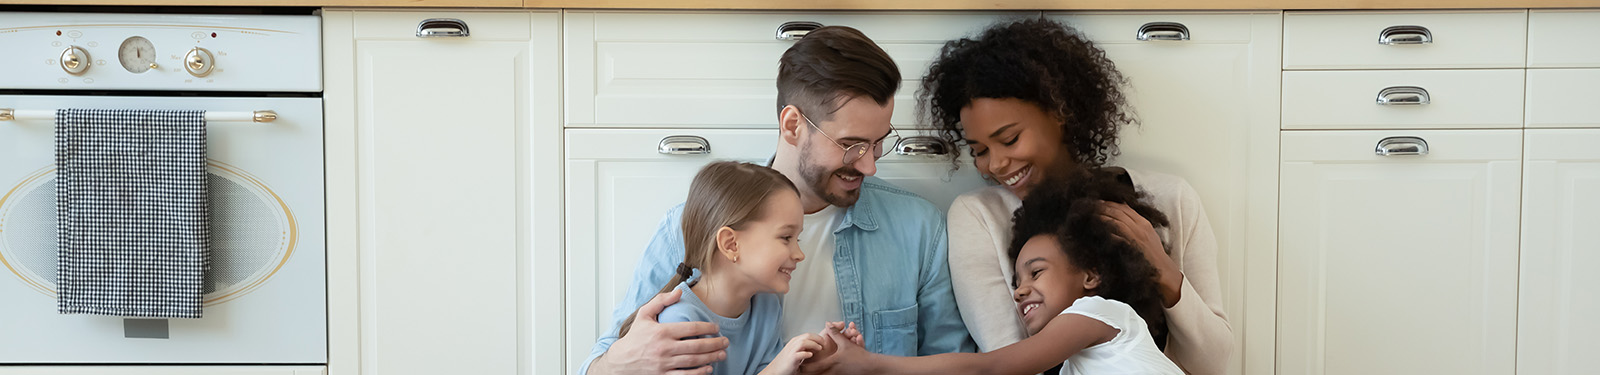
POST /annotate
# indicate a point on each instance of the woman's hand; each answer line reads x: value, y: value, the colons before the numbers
x: 798, y: 349
x: 1133, y: 229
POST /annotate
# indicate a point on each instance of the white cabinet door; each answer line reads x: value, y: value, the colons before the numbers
x: 1209, y: 113
x: 1560, y: 212
x: 451, y: 142
x: 719, y: 69
x: 1399, y: 264
x: 620, y: 184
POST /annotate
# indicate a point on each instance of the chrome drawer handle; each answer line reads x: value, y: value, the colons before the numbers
x: 1403, y: 95
x: 684, y: 145
x: 794, y: 30
x: 1406, y: 34
x: 1160, y: 31
x: 1394, y: 146
x: 442, y: 28
x: 922, y: 146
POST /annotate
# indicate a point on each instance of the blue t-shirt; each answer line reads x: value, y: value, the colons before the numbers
x: 754, y: 338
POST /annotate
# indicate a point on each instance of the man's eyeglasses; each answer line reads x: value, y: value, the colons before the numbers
x: 855, y: 151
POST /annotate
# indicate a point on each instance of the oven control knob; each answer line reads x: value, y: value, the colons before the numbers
x: 75, y: 60
x: 199, y: 62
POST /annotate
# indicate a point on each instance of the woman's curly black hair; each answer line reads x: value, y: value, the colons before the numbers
x: 1068, y: 207
x: 1039, y: 61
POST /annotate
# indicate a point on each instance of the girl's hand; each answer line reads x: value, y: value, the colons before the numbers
x: 1132, y: 228
x: 798, y: 349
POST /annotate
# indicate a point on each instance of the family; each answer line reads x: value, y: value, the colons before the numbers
x: 811, y: 265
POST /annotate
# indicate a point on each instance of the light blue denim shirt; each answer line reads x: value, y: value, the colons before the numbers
x: 890, y: 261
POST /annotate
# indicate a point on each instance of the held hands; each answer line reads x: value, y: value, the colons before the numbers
x: 799, y: 349
x: 842, y: 351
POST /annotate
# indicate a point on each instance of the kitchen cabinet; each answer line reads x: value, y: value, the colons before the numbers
x: 1398, y: 264
x: 446, y: 130
x: 1402, y: 206
x: 1560, y: 211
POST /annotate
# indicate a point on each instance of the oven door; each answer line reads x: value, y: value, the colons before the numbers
x: 265, y: 294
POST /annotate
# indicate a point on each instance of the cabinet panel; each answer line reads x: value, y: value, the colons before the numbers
x: 1560, y: 211
x: 1563, y: 98
x: 1564, y: 38
x: 436, y: 151
x: 1382, y: 256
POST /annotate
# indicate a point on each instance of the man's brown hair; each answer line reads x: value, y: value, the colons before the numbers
x: 833, y: 63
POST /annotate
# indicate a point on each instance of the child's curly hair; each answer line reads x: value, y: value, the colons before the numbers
x: 1038, y: 61
x: 1069, y: 207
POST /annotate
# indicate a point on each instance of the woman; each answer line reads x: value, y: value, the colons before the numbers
x: 1033, y: 97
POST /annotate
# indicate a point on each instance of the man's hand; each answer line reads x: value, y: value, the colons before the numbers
x: 656, y: 348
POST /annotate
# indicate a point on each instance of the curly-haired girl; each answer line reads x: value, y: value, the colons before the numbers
x: 1089, y: 300
x: 1031, y: 98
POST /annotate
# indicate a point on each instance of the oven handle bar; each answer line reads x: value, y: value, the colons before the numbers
x: 9, y: 114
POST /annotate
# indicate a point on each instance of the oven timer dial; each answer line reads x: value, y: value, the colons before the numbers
x: 137, y: 55
x: 199, y: 62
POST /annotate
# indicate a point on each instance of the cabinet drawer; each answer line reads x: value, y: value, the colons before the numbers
x: 502, y: 25
x: 1361, y: 146
x: 1563, y: 98
x: 1351, y: 40
x: 1350, y: 99
x: 1117, y: 27
x: 726, y: 144
x: 640, y: 144
x: 718, y: 69
x: 1564, y: 38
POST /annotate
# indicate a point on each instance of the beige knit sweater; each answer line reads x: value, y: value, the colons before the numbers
x: 1199, y: 338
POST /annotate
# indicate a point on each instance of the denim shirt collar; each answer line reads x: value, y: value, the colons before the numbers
x: 860, y: 214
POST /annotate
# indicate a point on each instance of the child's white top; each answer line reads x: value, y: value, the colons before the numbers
x: 1131, y: 352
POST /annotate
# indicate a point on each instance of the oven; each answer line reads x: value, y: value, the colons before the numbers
x: 258, y: 77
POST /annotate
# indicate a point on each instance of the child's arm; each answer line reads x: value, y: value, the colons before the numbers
x: 797, y: 350
x: 1064, y: 336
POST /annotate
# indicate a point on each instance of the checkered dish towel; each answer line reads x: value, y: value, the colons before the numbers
x: 132, y: 227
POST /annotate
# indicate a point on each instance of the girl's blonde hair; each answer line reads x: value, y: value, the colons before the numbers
x: 724, y: 194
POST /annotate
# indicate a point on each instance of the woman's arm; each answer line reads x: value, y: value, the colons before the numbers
x: 1199, y: 338
x: 983, y: 294
x: 1064, y: 336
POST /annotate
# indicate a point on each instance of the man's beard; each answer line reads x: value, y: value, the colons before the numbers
x: 819, y: 179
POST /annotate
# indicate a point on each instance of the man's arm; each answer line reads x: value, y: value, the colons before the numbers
x: 653, y: 347
x: 939, y: 322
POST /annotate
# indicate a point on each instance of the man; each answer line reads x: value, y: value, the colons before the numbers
x: 876, y: 254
